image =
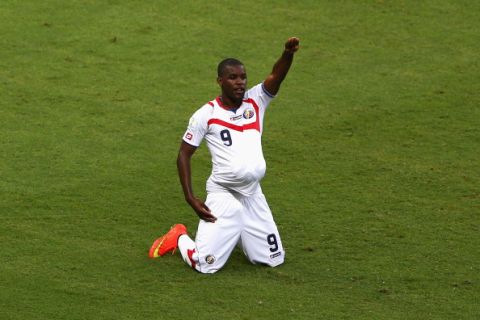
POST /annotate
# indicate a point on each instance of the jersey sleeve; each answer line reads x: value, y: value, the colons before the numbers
x: 197, y: 126
x: 260, y: 95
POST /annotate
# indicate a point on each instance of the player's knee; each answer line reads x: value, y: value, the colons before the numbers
x: 277, y: 263
x: 271, y: 261
x: 210, y: 268
x: 208, y: 271
x: 276, y: 259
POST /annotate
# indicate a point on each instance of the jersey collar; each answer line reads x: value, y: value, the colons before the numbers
x: 220, y: 103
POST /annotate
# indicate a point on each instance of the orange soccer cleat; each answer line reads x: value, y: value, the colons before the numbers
x: 167, y: 242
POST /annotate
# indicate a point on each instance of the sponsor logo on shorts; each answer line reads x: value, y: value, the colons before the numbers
x: 209, y: 259
x: 273, y: 256
x: 248, y: 114
x: 189, y: 136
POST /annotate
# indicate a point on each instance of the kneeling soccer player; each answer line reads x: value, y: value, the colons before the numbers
x: 235, y: 211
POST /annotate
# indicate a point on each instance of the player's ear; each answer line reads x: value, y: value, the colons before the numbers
x: 219, y: 81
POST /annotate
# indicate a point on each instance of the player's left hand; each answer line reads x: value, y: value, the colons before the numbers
x: 202, y: 210
x: 292, y: 44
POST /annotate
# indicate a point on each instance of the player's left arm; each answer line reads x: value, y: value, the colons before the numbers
x: 281, y: 67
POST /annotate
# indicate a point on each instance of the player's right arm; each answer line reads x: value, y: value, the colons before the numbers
x: 184, y: 171
x: 197, y: 128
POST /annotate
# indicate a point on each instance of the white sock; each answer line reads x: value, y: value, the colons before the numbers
x: 188, y: 250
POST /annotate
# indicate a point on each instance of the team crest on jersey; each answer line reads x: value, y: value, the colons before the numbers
x: 210, y: 259
x: 248, y: 114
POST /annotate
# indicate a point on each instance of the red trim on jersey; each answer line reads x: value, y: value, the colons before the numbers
x: 220, y: 103
x: 211, y: 103
x: 252, y: 102
x: 226, y: 124
x: 254, y: 125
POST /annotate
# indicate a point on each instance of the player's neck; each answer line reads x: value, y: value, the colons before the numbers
x: 229, y: 103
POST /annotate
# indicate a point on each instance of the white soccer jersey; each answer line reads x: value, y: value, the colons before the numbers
x: 234, y: 141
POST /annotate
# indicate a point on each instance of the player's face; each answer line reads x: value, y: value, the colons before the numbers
x: 233, y: 83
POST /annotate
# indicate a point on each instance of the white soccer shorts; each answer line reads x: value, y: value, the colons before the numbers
x: 246, y: 221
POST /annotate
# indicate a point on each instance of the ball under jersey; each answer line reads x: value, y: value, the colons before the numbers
x: 234, y: 140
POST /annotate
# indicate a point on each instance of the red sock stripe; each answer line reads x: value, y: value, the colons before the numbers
x: 190, y: 257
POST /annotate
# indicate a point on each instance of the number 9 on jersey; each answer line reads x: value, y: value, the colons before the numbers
x: 226, y: 137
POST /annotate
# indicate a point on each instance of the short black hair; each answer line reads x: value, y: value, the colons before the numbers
x: 227, y: 62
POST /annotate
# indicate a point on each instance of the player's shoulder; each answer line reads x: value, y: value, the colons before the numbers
x: 258, y: 90
x: 204, y: 113
x: 206, y: 108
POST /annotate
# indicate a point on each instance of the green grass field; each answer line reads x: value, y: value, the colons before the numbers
x: 372, y: 148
